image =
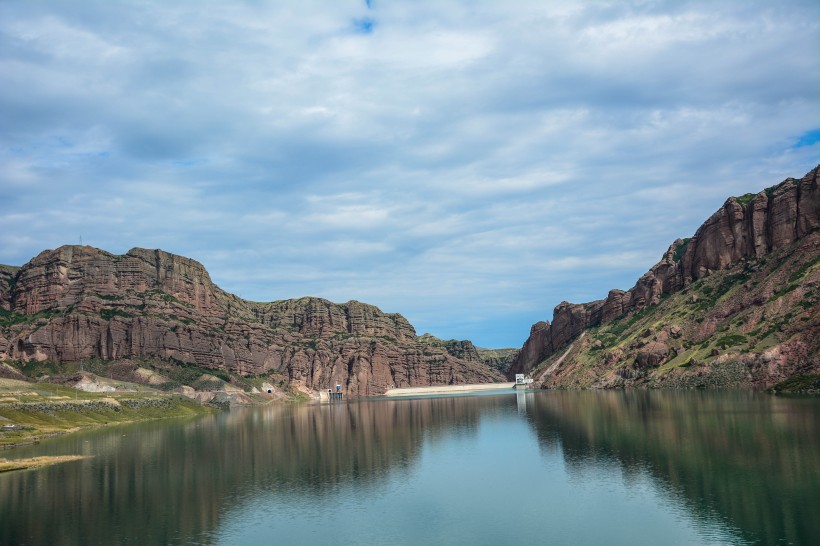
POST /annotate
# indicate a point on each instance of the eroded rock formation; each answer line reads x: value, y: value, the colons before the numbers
x: 750, y: 226
x: 78, y: 302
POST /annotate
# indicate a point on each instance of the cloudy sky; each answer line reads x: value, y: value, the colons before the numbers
x: 467, y: 164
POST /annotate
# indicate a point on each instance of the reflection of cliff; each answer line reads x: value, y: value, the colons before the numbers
x: 735, y: 455
x: 169, y: 483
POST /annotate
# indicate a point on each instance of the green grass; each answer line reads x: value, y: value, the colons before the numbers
x: 681, y: 249
x: 109, y: 314
x: 746, y: 198
x: 35, y: 369
x: 182, y: 373
x: 803, y: 269
x: 10, y: 318
x: 295, y: 397
x: 618, y: 326
x: 731, y: 341
x: 710, y: 299
x: 156, y: 293
x: 44, y: 409
x: 808, y: 383
x: 806, y: 303
x: 783, y: 291
x: 207, y: 384
x: 178, y: 373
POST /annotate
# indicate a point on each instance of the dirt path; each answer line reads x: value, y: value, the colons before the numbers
x: 560, y: 360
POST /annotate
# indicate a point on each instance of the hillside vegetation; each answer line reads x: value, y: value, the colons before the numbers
x: 754, y: 324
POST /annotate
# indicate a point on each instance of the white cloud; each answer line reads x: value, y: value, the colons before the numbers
x: 468, y: 165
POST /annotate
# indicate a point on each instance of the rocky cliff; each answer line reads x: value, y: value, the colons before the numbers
x: 79, y: 302
x: 749, y: 251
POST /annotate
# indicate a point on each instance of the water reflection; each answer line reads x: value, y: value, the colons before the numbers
x: 751, y: 460
x: 180, y: 476
x: 750, y: 463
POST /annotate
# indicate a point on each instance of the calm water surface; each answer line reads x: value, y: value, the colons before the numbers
x: 514, y: 468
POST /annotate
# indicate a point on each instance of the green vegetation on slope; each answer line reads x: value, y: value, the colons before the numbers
x: 169, y: 374
x: 722, y: 330
x: 808, y: 383
x: 29, y: 411
x: 681, y: 249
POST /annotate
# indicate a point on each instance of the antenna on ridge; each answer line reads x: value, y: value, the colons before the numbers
x: 81, y: 240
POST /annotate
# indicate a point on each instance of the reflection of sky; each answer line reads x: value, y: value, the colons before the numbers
x: 491, y: 486
x: 466, y: 164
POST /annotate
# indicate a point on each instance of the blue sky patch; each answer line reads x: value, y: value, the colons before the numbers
x: 364, y: 25
x: 187, y: 162
x: 809, y: 138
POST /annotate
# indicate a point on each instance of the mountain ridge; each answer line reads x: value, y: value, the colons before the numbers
x: 744, y: 229
x: 74, y: 303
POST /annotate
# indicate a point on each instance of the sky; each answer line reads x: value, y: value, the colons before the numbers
x: 467, y: 164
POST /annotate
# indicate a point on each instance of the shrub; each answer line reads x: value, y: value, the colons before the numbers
x: 108, y: 314
x: 799, y: 383
x: 681, y: 249
x: 746, y: 198
x: 731, y: 341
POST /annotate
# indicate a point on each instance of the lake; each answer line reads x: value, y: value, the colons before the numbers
x: 612, y: 467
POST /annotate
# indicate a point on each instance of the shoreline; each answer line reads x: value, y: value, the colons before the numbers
x: 14, y: 465
x: 36, y: 417
x: 446, y: 389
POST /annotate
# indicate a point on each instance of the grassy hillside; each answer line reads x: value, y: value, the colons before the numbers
x: 752, y: 325
x: 29, y: 411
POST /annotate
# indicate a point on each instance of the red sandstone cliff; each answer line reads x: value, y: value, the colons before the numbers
x: 751, y: 226
x: 77, y: 302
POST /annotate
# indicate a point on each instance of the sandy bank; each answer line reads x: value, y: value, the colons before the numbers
x: 447, y: 389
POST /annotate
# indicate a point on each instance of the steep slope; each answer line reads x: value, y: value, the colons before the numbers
x: 7, y: 275
x: 498, y: 359
x: 77, y: 302
x: 749, y: 274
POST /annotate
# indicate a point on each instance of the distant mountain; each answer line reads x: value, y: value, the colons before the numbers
x: 79, y: 302
x: 737, y: 305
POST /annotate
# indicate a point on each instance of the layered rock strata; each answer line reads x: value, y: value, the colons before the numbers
x: 79, y: 302
x: 751, y: 226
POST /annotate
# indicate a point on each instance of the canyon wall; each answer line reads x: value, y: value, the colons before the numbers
x: 751, y: 226
x: 79, y: 302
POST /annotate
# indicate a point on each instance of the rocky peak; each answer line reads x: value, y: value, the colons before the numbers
x: 461, y: 349
x: 62, y: 277
x: 183, y: 278
x: 320, y: 317
x: 753, y: 226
